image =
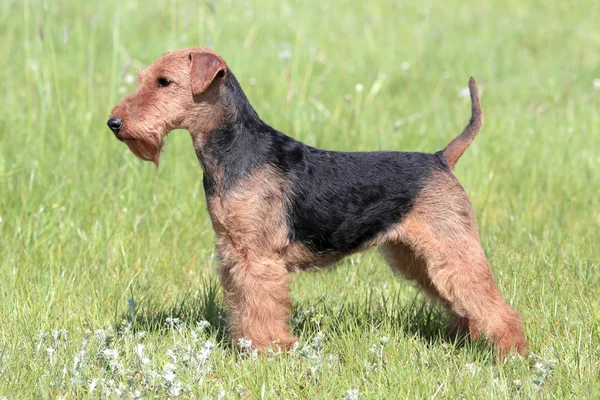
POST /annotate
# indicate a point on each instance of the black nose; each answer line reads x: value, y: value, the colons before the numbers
x: 115, y: 124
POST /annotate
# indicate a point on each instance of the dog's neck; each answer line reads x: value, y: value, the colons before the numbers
x: 237, y: 144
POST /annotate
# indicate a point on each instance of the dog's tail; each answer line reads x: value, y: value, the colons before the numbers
x: 457, y: 147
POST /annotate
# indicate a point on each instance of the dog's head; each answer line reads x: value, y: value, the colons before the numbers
x: 180, y: 90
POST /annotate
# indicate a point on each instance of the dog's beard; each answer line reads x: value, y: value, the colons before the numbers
x: 147, y: 150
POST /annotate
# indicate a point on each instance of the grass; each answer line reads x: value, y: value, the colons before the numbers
x: 107, y: 265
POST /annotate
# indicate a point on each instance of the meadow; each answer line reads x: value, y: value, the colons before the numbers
x: 108, y: 285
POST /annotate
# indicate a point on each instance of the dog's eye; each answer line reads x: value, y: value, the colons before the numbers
x: 163, y: 82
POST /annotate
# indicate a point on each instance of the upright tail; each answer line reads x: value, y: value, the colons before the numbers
x: 457, y: 147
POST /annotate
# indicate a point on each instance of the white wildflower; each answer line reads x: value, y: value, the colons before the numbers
x: 244, y: 343
x: 202, y: 325
x: 543, y: 368
x: 50, y: 352
x: 32, y: 65
x: 172, y: 355
x: 58, y: 335
x: 247, y: 351
x: 101, y: 336
x: 207, y: 348
x: 353, y: 394
x: 175, y: 388
x: 139, y: 350
x: 464, y: 93
x: 317, y: 341
x: 92, y: 384
x: 285, y: 54
x: 112, y: 357
x: 42, y: 335
x: 405, y: 65
x: 169, y: 372
x: 359, y: 87
x: 471, y: 368
x: 596, y: 83
x: 518, y: 383
x: 173, y: 322
x: 77, y: 361
x: 241, y: 391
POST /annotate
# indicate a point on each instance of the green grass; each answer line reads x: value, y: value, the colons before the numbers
x: 85, y: 227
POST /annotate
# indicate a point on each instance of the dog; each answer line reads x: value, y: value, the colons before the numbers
x: 279, y: 206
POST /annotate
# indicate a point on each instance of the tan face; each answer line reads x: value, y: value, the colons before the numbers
x: 172, y: 93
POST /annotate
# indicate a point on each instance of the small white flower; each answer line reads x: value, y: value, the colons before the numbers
x: 359, y: 87
x: 139, y: 350
x: 111, y: 353
x: 207, y: 348
x: 171, y: 353
x: 353, y: 394
x: 405, y: 65
x: 172, y: 322
x: 42, y: 337
x: 285, y: 54
x: 32, y: 65
x: 202, y: 325
x: 241, y: 390
x: 596, y: 83
x: 539, y: 366
x: 0, y: 219
x: 518, y: 383
x: 129, y: 79
x: 92, y: 384
x: 244, y: 343
x: 317, y: 341
x: 50, y: 352
x: 471, y: 368
x: 464, y: 93
x: 101, y: 336
x: 175, y: 389
x: 169, y: 372
x: 78, y: 359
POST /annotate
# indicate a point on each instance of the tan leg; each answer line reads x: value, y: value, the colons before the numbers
x: 458, y: 269
x: 258, y: 302
x: 402, y: 260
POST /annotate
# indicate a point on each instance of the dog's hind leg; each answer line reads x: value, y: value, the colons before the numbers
x: 441, y: 242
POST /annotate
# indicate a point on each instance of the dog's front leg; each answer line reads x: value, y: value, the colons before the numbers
x: 258, y: 302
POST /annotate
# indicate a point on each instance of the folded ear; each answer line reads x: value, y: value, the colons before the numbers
x: 204, y: 69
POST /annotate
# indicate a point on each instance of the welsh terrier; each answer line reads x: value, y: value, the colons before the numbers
x: 279, y: 206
